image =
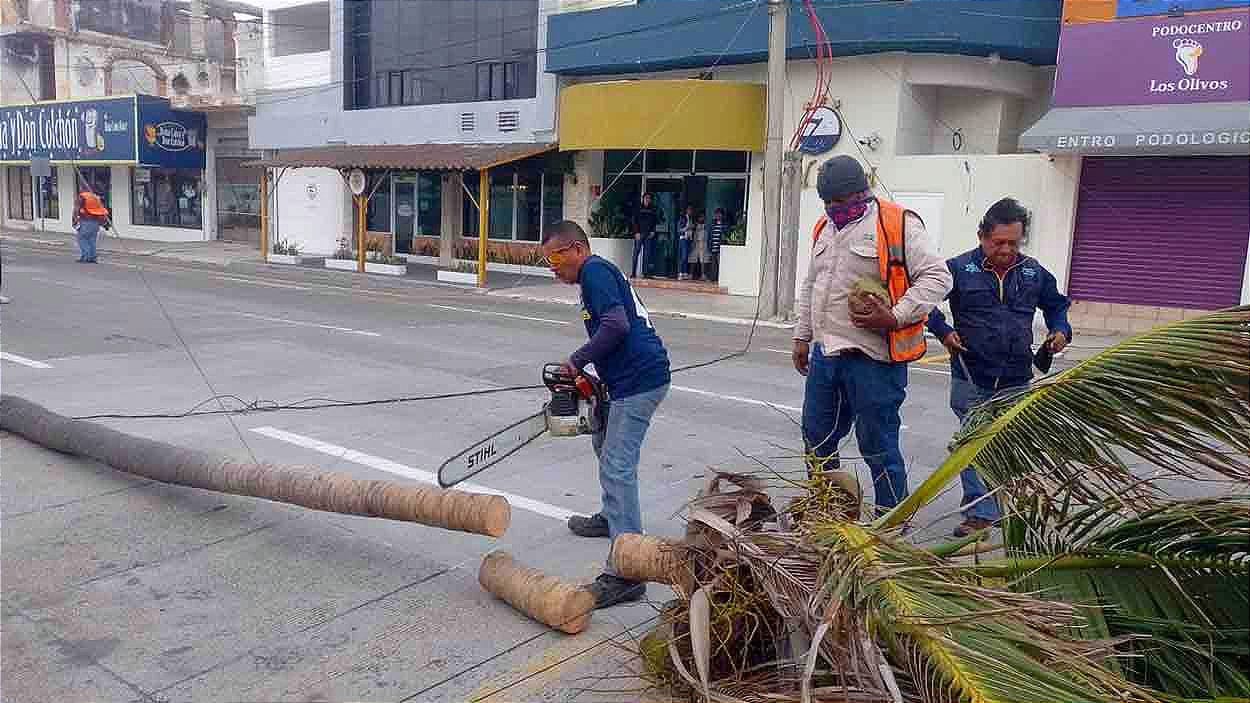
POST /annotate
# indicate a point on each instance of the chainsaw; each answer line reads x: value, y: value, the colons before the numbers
x: 577, y: 407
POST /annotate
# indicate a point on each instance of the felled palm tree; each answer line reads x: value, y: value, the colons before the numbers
x: 1110, y: 590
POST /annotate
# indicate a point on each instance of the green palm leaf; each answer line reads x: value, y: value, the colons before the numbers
x: 1176, y: 397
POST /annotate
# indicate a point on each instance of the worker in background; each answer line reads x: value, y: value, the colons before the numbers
x: 646, y: 217
x: 852, y: 344
x: 633, y: 365
x: 996, y: 292
x: 89, y: 216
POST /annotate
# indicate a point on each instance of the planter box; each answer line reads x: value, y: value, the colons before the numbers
x: 418, y: 259
x: 457, y: 277
x: 290, y: 259
x: 618, y: 251
x: 386, y: 269
x: 341, y: 264
x: 519, y: 269
x: 740, y: 269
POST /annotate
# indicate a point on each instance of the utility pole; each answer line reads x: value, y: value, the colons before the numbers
x: 777, y: 13
x: 791, y: 190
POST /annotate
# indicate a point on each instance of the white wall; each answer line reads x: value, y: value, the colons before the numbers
x: 297, y: 70
x: 314, y: 223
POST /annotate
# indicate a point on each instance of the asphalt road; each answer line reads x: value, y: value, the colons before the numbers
x: 118, y: 588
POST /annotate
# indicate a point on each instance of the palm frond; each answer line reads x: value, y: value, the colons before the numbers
x: 1174, y: 580
x: 1176, y: 398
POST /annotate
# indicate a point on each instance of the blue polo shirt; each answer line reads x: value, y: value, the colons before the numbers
x: 640, y: 362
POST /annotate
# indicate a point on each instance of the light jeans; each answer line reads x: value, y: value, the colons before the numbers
x: 88, y: 231
x: 619, y: 446
x: 966, y: 395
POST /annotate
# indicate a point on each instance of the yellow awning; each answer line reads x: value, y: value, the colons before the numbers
x: 663, y: 114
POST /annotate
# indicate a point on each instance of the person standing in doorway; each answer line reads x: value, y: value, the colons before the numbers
x: 633, y: 365
x: 857, y: 369
x: 716, y: 233
x: 89, y: 216
x: 995, y: 294
x: 645, y: 220
x: 699, y: 249
x: 685, y: 237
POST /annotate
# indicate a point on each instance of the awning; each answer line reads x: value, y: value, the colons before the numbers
x: 406, y: 157
x: 1195, y: 128
x: 663, y: 114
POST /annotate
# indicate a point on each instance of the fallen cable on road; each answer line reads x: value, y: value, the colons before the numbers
x: 327, y: 491
x: 544, y: 598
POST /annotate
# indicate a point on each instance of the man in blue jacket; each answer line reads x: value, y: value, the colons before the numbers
x: 995, y: 295
x: 633, y: 365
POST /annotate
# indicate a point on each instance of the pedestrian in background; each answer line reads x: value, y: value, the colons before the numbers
x: 716, y: 233
x: 685, y: 239
x: 89, y: 216
x: 645, y: 219
x: 857, y: 369
x: 996, y: 292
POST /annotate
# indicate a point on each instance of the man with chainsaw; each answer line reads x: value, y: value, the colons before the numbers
x: 633, y: 365
x: 873, y: 278
x: 996, y: 292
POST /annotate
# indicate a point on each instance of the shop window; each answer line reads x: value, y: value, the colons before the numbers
x: 20, y: 197
x: 669, y: 161
x: 49, y: 197
x: 429, y: 204
x: 469, y: 220
x: 721, y: 161
x: 553, y: 198
x: 502, y: 193
x: 378, y: 216
x: 100, y: 181
x: 166, y: 197
x: 529, y: 197
x: 616, y: 162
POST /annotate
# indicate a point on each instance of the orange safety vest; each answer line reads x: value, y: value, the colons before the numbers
x: 906, y: 343
x: 91, y: 205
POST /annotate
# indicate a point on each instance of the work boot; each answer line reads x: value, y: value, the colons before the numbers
x: 971, y: 526
x: 594, y: 526
x: 612, y: 590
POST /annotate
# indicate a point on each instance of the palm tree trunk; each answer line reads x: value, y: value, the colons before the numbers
x: 328, y: 491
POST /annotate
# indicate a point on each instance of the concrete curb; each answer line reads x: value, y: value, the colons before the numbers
x: 746, y: 321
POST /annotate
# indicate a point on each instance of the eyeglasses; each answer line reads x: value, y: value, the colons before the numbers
x: 556, y: 258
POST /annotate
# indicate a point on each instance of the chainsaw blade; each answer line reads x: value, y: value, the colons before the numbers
x: 491, y: 450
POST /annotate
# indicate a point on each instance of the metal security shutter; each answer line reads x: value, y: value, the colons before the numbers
x: 1161, y: 231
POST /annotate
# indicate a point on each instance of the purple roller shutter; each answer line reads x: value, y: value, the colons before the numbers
x: 1162, y: 231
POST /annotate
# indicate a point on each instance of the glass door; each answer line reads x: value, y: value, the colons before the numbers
x: 667, y: 195
x: 429, y: 204
x: 404, y: 191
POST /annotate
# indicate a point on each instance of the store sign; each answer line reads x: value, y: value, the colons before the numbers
x: 1155, y: 61
x: 1233, y: 141
x: 1144, y: 8
x: 87, y: 130
x: 822, y: 132
x: 171, y: 138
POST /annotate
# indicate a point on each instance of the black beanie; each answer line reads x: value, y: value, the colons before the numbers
x: 839, y: 177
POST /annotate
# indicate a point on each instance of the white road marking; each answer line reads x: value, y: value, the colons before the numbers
x: 737, y: 399
x: 24, y: 361
x: 376, y: 462
x: 300, y: 323
x: 498, y: 314
x: 787, y: 352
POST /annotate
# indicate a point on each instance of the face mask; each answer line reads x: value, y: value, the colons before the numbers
x: 843, y: 215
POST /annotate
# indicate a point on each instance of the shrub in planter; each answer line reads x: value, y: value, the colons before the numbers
x: 285, y: 248
x: 737, y: 235
x: 345, y: 250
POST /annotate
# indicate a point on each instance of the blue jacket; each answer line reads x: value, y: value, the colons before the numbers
x: 995, y: 318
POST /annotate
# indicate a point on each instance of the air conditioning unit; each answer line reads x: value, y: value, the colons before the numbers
x: 509, y: 121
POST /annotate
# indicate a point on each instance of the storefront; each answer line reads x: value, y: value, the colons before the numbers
x: 690, y: 144
x: 145, y: 159
x: 1163, y: 125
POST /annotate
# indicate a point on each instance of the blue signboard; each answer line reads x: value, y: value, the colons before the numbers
x: 170, y: 138
x: 85, y: 130
x: 142, y: 130
x: 1144, y: 8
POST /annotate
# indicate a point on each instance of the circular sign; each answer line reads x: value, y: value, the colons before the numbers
x: 311, y: 190
x: 356, y: 181
x: 403, y: 210
x: 822, y: 131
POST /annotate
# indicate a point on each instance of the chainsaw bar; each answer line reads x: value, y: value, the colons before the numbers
x: 491, y: 450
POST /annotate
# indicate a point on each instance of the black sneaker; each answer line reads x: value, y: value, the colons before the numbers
x: 594, y: 526
x: 612, y: 590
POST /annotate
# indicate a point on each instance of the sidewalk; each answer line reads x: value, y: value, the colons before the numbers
x: 218, y: 253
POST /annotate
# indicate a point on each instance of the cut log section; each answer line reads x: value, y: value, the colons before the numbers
x: 544, y: 598
x: 644, y: 558
x: 328, y: 491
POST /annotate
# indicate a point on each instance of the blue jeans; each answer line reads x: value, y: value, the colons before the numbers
x: 88, y: 231
x: 852, y: 388
x: 965, y: 395
x: 618, y: 446
x: 683, y: 256
x: 644, y: 249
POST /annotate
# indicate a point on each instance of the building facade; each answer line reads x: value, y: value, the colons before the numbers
x: 1161, y: 127
x: 669, y: 98
x: 423, y: 96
